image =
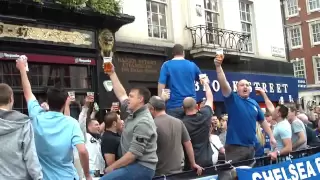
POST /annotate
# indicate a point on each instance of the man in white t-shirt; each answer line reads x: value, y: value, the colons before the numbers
x: 217, y: 147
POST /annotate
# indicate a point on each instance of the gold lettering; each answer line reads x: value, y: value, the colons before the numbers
x: 128, y: 64
x: 44, y: 34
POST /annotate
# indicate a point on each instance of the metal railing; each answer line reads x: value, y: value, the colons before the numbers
x: 258, y: 162
x: 206, y: 36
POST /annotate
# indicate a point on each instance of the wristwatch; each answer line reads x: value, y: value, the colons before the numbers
x: 278, y: 153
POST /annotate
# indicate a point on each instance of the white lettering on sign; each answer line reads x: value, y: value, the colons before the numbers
x: 297, y: 171
x: 267, y: 87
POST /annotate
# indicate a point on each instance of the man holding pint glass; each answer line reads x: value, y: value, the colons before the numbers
x: 242, y: 112
x: 177, y: 77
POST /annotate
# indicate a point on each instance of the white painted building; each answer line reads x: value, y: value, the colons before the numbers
x: 164, y: 22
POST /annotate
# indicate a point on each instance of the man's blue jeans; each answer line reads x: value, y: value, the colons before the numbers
x: 176, y: 112
x: 133, y: 171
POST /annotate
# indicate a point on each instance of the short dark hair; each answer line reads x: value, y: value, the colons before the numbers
x: 293, y: 108
x: 109, y: 118
x: 177, y: 50
x: 283, y: 111
x: 267, y: 114
x: 157, y: 103
x: 144, y: 92
x: 56, y: 98
x: 5, y: 94
x: 89, y: 121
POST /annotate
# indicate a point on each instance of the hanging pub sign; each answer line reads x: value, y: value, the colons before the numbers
x: 47, y: 35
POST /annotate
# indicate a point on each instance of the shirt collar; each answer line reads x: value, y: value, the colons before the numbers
x: 137, y: 112
x: 178, y: 58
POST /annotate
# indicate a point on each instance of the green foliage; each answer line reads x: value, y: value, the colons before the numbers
x: 108, y: 7
x: 111, y: 7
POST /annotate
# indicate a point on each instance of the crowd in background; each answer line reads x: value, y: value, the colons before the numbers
x: 159, y: 135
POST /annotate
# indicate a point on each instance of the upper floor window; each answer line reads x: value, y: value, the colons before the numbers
x: 316, y: 67
x: 299, y: 68
x: 314, y: 5
x: 295, y: 37
x: 292, y: 7
x: 315, y: 32
x: 157, y: 19
x: 211, y: 19
x: 246, y: 23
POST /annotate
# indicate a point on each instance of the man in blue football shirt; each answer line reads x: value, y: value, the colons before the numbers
x: 178, y: 75
x: 243, y: 113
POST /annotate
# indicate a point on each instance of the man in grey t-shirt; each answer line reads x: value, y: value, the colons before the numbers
x: 299, y: 134
x: 172, y: 136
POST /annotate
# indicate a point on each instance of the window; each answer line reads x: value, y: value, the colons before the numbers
x: 314, y: 5
x: 315, y: 32
x: 292, y: 7
x: 211, y: 19
x: 316, y: 67
x: 157, y: 19
x: 295, y: 37
x: 246, y: 23
x: 299, y: 68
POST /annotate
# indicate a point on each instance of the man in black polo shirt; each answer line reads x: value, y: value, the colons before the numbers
x: 111, y: 139
x: 198, y: 125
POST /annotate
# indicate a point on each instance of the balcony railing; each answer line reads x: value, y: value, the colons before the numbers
x: 210, y: 37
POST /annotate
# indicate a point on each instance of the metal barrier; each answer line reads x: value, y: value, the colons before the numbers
x: 258, y: 162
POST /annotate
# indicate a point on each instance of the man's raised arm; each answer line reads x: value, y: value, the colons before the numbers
x: 209, y: 95
x: 118, y: 89
x: 25, y: 83
x: 225, y: 86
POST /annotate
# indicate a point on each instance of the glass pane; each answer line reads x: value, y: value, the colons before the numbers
x: 148, y: 5
x: 154, y: 7
x: 150, y: 31
x: 149, y: 18
x: 155, y: 19
x: 164, y: 32
x: 162, y: 20
x: 156, y: 31
x: 162, y: 9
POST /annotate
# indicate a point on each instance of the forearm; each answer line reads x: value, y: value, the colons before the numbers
x: 26, y: 86
x: 125, y: 160
x: 93, y: 115
x: 298, y: 143
x: 118, y: 89
x: 160, y: 88
x: 286, y: 150
x: 268, y: 103
x: 67, y: 110
x: 209, y: 94
x: 225, y: 87
x: 189, y: 151
x: 84, y: 159
x: 265, y: 126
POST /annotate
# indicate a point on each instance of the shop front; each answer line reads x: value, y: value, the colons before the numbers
x: 275, y: 87
x: 65, y: 47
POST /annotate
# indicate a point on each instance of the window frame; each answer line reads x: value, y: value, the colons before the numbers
x: 315, y: 71
x: 217, y: 13
x: 289, y: 31
x: 310, y: 23
x: 304, y: 67
x: 287, y: 9
x: 166, y: 3
x: 309, y: 10
x: 252, y: 25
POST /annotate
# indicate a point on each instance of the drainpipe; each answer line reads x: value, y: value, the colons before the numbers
x: 285, y: 32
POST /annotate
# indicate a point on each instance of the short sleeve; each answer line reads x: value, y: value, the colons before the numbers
x: 110, y: 146
x: 34, y: 108
x: 124, y: 105
x: 77, y: 135
x: 285, y: 133
x: 163, y: 74
x: 207, y: 112
x: 197, y: 71
x: 260, y: 115
x: 228, y: 101
x: 185, y: 134
x: 297, y: 127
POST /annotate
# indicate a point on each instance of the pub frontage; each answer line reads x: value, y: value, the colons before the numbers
x: 64, y: 46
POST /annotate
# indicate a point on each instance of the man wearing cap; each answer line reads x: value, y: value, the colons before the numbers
x: 178, y: 75
x: 172, y: 133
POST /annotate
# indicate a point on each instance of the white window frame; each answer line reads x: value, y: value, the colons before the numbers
x: 165, y: 2
x: 214, y: 36
x: 289, y: 30
x: 286, y: 3
x: 312, y: 10
x: 313, y: 22
x: 304, y: 67
x: 252, y: 27
x: 315, y: 71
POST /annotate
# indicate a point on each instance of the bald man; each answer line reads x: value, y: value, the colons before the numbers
x: 243, y: 112
x: 198, y: 124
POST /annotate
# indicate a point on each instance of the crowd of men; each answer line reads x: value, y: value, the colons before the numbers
x: 162, y: 135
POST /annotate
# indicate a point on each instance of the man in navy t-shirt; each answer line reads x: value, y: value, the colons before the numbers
x: 243, y: 112
x: 179, y: 76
